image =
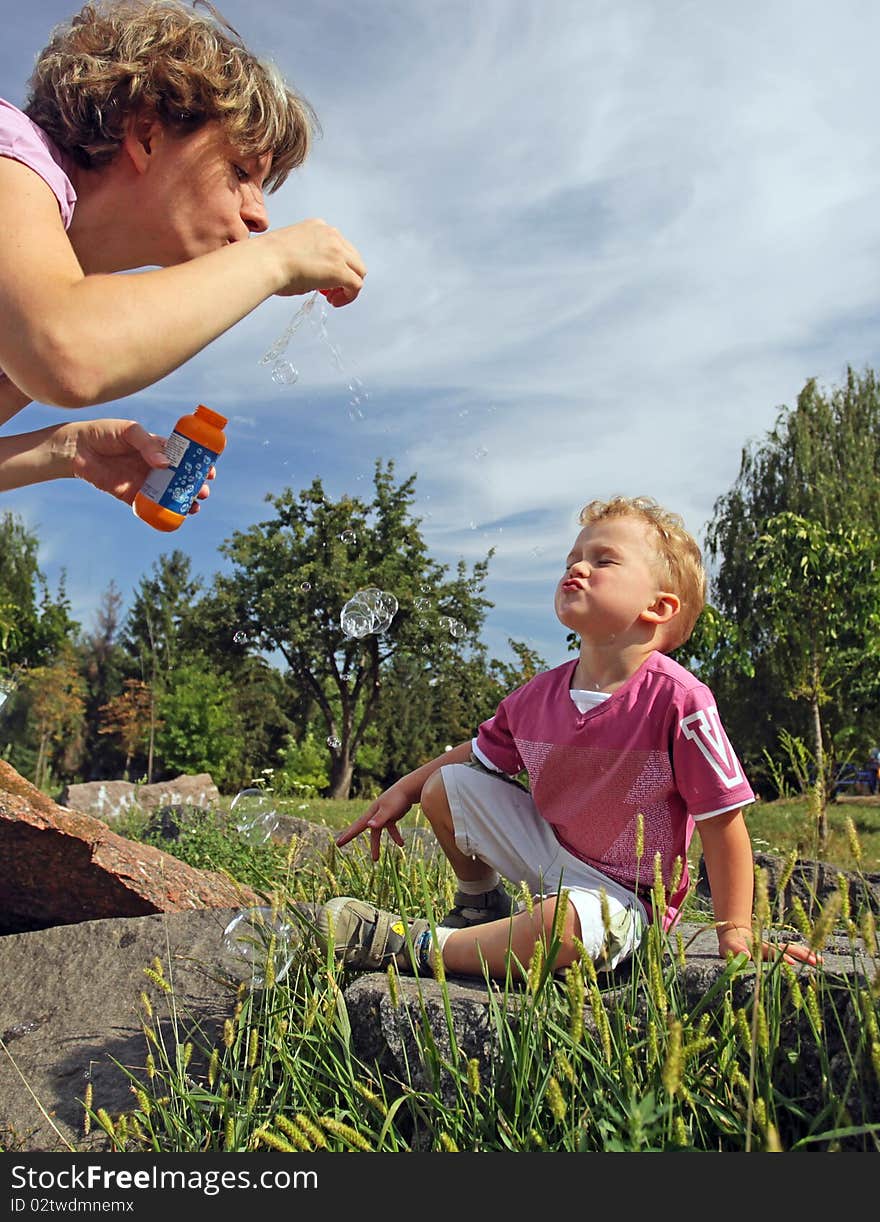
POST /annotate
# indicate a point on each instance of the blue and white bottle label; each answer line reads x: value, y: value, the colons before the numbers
x: 176, y: 487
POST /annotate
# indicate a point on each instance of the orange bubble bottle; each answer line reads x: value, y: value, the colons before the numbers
x: 167, y: 493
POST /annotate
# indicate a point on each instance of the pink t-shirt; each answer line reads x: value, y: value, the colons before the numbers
x: 23, y: 140
x: 655, y: 747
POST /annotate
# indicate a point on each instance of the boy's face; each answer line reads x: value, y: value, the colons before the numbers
x: 610, y: 578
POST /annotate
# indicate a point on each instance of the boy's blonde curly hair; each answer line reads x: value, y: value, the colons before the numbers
x: 119, y: 58
x: 679, y: 558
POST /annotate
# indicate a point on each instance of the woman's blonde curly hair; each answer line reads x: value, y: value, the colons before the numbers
x: 679, y: 557
x: 121, y: 58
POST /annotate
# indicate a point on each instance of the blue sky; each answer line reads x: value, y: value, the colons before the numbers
x: 606, y: 243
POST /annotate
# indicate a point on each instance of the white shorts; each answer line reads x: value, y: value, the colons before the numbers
x: 495, y: 820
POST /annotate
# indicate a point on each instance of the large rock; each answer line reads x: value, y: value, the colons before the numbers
x: 812, y: 882
x: 109, y: 799
x: 71, y: 1008
x: 105, y: 800
x: 58, y: 867
x: 198, y: 790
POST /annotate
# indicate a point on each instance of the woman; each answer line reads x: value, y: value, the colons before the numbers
x: 148, y: 139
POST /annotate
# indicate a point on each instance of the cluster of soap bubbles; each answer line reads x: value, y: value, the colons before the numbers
x: 257, y: 938
x: 253, y: 816
x: 367, y: 611
x: 453, y: 626
x: 285, y: 374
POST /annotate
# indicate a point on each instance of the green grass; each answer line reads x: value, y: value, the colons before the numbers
x: 775, y: 827
x: 787, y: 824
x: 575, y: 1065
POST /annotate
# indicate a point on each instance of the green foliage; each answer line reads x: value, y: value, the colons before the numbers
x: 158, y: 629
x: 206, y: 842
x: 818, y: 464
x: 198, y: 731
x: 104, y: 666
x: 294, y: 572
x: 34, y: 625
x: 303, y: 767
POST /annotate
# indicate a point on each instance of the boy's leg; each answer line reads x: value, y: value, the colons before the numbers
x: 435, y: 807
x: 608, y: 928
x: 512, y: 941
x: 480, y: 896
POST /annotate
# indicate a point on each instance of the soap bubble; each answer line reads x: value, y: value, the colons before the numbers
x: 253, y: 816
x: 367, y: 611
x: 453, y: 626
x: 333, y: 741
x: 254, y: 934
x: 284, y: 374
x: 355, y: 624
x: 306, y: 586
x: 480, y: 452
x: 7, y: 687
x: 240, y: 638
x: 349, y: 536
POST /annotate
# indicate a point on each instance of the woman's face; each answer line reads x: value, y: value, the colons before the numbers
x: 199, y: 193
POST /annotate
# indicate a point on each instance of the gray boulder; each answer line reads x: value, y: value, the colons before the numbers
x: 71, y: 1009
x: 109, y: 799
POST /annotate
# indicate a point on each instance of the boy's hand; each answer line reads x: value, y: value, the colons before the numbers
x: 739, y: 940
x: 384, y: 812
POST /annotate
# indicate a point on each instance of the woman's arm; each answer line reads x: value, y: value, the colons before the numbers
x: 11, y: 399
x: 114, y: 456
x: 75, y: 340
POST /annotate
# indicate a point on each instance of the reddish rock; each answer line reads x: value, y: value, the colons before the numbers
x: 59, y: 867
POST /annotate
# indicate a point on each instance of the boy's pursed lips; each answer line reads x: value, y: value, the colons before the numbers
x: 574, y: 583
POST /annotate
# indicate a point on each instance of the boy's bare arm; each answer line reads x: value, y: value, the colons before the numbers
x: 727, y: 852
x: 390, y: 807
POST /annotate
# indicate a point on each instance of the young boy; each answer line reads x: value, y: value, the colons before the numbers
x: 625, y: 754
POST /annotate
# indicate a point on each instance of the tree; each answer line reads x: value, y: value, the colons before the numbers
x: 154, y: 633
x: 156, y: 625
x: 129, y: 717
x: 104, y: 664
x: 34, y: 625
x: 820, y: 461
x: 831, y: 627
x: 198, y: 731
x: 56, y: 708
x: 294, y: 573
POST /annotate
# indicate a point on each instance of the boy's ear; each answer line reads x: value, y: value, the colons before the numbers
x: 140, y: 138
x: 664, y: 608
